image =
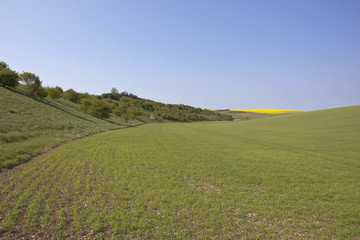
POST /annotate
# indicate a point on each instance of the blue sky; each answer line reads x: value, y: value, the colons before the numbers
x: 299, y: 54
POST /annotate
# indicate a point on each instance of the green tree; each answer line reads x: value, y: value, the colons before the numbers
x: 41, y: 92
x: 8, y: 77
x: 100, y: 109
x: 96, y: 107
x: 55, y: 92
x: 119, y: 110
x: 85, y: 104
x: 135, y: 112
x: 33, y: 84
x: 72, y: 96
x: 3, y: 65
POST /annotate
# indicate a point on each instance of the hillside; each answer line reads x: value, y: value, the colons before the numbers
x: 27, y: 125
x: 285, y: 177
x: 129, y: 104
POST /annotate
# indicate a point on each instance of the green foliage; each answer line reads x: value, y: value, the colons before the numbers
x: 72, y: 96
x: 135, y: 112
x: 135, y: 107
x: 3, y: 65
x: 96, y: 107
x: 115, y: 95
x: 41, y: 92
x: 119, y: 110
x: 128, y: 110
x: 33, y: 84
x: 54, y: 92
x: 8, y: 77
x: 85, y: 104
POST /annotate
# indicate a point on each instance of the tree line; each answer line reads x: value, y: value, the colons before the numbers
x: 123, y: 104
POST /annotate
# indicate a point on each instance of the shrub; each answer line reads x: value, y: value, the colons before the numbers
x: 72, y: 96
x: 95, y: 107
x: 8, y: 77
x: 54, y: 93
x: 41, y: 92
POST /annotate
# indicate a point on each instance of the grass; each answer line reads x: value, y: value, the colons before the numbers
x: 29, y: 126
x: 285, y: 177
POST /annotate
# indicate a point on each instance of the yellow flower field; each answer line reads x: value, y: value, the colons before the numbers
x: 267, y: 111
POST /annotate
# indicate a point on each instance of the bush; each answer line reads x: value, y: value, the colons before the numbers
x: 54, y: 93
x: 8, y: 77
x: 41, y: 92
x: 135, y: 112
x: 72, y: 96
x: 95, y: 107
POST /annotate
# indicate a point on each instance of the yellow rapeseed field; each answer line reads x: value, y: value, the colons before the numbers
x: 268, y: 111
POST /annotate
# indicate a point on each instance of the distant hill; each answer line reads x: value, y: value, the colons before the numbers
x: 125, y: 103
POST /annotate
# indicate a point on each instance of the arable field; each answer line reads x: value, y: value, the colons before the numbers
x: 285, y: 177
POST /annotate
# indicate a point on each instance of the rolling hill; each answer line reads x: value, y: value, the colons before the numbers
x: 285, y: 177
x: 30, y: 126
x: 27, y: 125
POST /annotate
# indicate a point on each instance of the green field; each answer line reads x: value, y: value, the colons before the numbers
x: 286, y: 177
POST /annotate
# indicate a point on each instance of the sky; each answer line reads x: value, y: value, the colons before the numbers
x: 224, y: 54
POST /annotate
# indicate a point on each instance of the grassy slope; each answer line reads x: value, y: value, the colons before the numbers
x: 291, y: 177
x: 27, y: 126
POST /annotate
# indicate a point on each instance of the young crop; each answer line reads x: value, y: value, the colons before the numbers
x: 293, y: 176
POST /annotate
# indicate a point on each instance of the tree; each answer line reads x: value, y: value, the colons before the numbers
x: 8, y: 77
x: 114, y: 91
x: 95, y: 107
x: 135, y: 112
x: 100, y: 109
x: 41, y: 92
x: 33, y: 84
x: 85, y: 104
x: 119, y: 110
x: 72, y: 96
x: 54, y: 93
x: 3, y: 65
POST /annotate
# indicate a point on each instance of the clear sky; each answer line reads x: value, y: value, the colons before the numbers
x: 241, y: 54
